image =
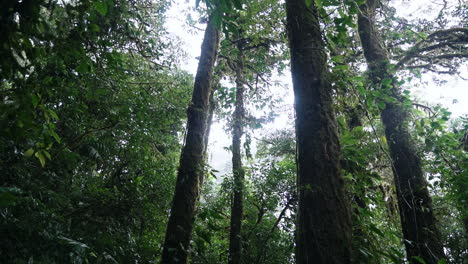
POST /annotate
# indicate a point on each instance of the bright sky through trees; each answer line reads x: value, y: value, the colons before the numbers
x: 449, y: 91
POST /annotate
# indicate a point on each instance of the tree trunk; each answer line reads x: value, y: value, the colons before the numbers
x: 190, y: 173
x: 213, y: 104
x: 421, y: 236
x: 323, y: 225
x: 235, y: 246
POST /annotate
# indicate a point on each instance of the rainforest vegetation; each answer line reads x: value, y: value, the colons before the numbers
x: 106, y: 139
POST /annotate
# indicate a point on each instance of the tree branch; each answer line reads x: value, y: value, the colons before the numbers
x: 447, y: 37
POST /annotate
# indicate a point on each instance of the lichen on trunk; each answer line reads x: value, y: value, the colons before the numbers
x: 190, y: 173
x: 323, y: 225
x: 420, y: 232
x: 235, y: 241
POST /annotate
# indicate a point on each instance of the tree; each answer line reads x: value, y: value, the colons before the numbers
x: 422, y: 238
x: 191, y: 168
x: 323, y: 225
x: 235, y: 247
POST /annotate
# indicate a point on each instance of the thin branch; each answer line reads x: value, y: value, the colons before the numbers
x: 291, y: 200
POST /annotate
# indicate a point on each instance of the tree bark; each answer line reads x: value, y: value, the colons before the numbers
x: 323, y: 225
x: 421, y: 236
x: 235, y: 241
x: 190, y: 173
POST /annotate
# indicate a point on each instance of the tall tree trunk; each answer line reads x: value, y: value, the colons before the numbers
x: 421, y: 236
x: 235, y: 242
x: 213, y: 104
x: 190, y: 173
x: 323, y: 225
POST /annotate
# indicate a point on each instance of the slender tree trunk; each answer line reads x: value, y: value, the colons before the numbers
x: 235, y: 241
x: 323, y: 225
x: 190, y: 173
x: 213, y: 104
x: 421, y: 236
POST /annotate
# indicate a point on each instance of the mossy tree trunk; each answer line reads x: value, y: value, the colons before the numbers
x: 421, y: 236
x: 191, y: 168
x: 323, y: 225
x: 235, y: 240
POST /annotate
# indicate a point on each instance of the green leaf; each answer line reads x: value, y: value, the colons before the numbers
x: 381, y: 105
x: 338, y: 59
x: 82, y: 67
x: 94, y: 27
x: 317, y: 2
x: 34, y: 100
x: 101, y: 7
x: 53, y: 114
x: 308, y: 3
x: 387, y: 83
x: 47, y: 154
x: 420, y: 260
x: 6, y: 197
x: 342, y: 67
x: 374, y: 229
x: 41, y: 158
x: 29, y: 152
x: 237, y: 4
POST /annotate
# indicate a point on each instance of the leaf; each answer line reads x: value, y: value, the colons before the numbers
x: 82, y: 67
x: 72, y: 242
x: 35, y: 100
x: 41, y: 158
x: 420, y: 260
x: 342, y: 67
x: 308, y: 3
x: 374, y: 229
x: 7, y: 196
x: 53, y: 114
x: 94, y: 27
x: 338, y: 59
x: 383, y: 139
x: 47, y: 154
x: 237, y: 4
x: 101, y: 7
x: 387, y: 82
x: 205, y: 236
x: 381, y: 105
x: 29, y: 152
x: 318, y: 3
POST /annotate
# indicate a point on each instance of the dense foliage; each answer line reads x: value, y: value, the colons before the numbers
x: 91, y: 119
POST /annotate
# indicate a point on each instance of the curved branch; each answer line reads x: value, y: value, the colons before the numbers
x: 448, y: 37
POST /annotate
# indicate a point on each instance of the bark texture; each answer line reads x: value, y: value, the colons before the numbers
x: 190, y: 173
x: 235, y: 241
x: 421, y: 236
x: 323, y: 225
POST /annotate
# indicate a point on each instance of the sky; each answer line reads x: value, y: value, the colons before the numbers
x: 453, y: 94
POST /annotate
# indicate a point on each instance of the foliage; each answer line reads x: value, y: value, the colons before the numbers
x: 444, y: 146
x: 268, y: 221
x: 91, y: 122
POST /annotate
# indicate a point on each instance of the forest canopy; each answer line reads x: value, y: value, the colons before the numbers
x: 233, y: 131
